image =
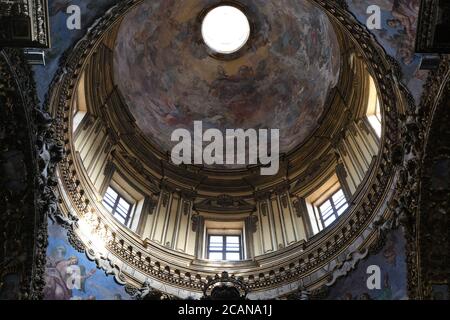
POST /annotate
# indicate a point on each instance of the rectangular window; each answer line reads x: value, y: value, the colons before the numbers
x: 225, y: 247
x: 117, y: 206
x: 79, y: 104
x: 374, y: 109
x: 375, y: 119
x: 332, y: 208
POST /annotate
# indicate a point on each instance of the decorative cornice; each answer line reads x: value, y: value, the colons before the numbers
x: 346, y: 266
x: 224, y: 287
x: 224, y: 204
x: 146, y: 292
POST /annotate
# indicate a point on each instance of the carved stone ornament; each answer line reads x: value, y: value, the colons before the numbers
x: 146, y: 292
x: 225, y: 203
x: 433, y: 26
x: 29, y: 155
x: 349, y: 264
x: 224, y: 287
x: 24, y: 23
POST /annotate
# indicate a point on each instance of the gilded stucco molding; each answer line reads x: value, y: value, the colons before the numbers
x: 224, y: 204
x: 348, y: 265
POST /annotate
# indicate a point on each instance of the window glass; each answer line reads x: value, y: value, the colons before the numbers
x: 232, y: 256
x: 117, y: 206
x: 375, y: 119
x: 215, y: 256
x: 225, y: 247
x: 332, y: 208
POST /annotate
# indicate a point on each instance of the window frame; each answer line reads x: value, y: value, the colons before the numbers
x: 224, y: 250
x: 374, y: 114
x: 375, y: 119
x: 335, y: 210
x: 114, y: 213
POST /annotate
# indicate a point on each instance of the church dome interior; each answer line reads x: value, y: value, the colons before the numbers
x: 161, y: 123
x: 169, y: 78
x: 155, y: 75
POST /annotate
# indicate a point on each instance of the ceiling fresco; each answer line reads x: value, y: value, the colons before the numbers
x: 397, y: 35
x: 281, y: 81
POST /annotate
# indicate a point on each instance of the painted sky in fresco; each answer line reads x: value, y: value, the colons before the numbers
x: 63, y: 38
x: 397, y: 36
x: 62, y: 260
x: 281, y: 82
x: 392, y: 262
x: 392, y: 37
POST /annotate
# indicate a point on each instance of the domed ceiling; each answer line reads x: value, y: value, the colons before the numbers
x: 281, y: 80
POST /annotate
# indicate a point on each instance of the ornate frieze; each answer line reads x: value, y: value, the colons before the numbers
x: 225, y: 203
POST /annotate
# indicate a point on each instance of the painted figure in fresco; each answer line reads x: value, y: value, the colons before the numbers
x: 348, y: 296
x: 386, y: 292
x: 365, y: 296
x: 389, y: 253
x: 59, y: 6
x: 405, y: 13
x: 61, y: 278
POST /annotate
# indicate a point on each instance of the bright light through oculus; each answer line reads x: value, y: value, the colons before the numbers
x: 225, y: 29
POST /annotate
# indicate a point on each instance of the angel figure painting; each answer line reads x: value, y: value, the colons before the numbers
x: 70, y: 275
